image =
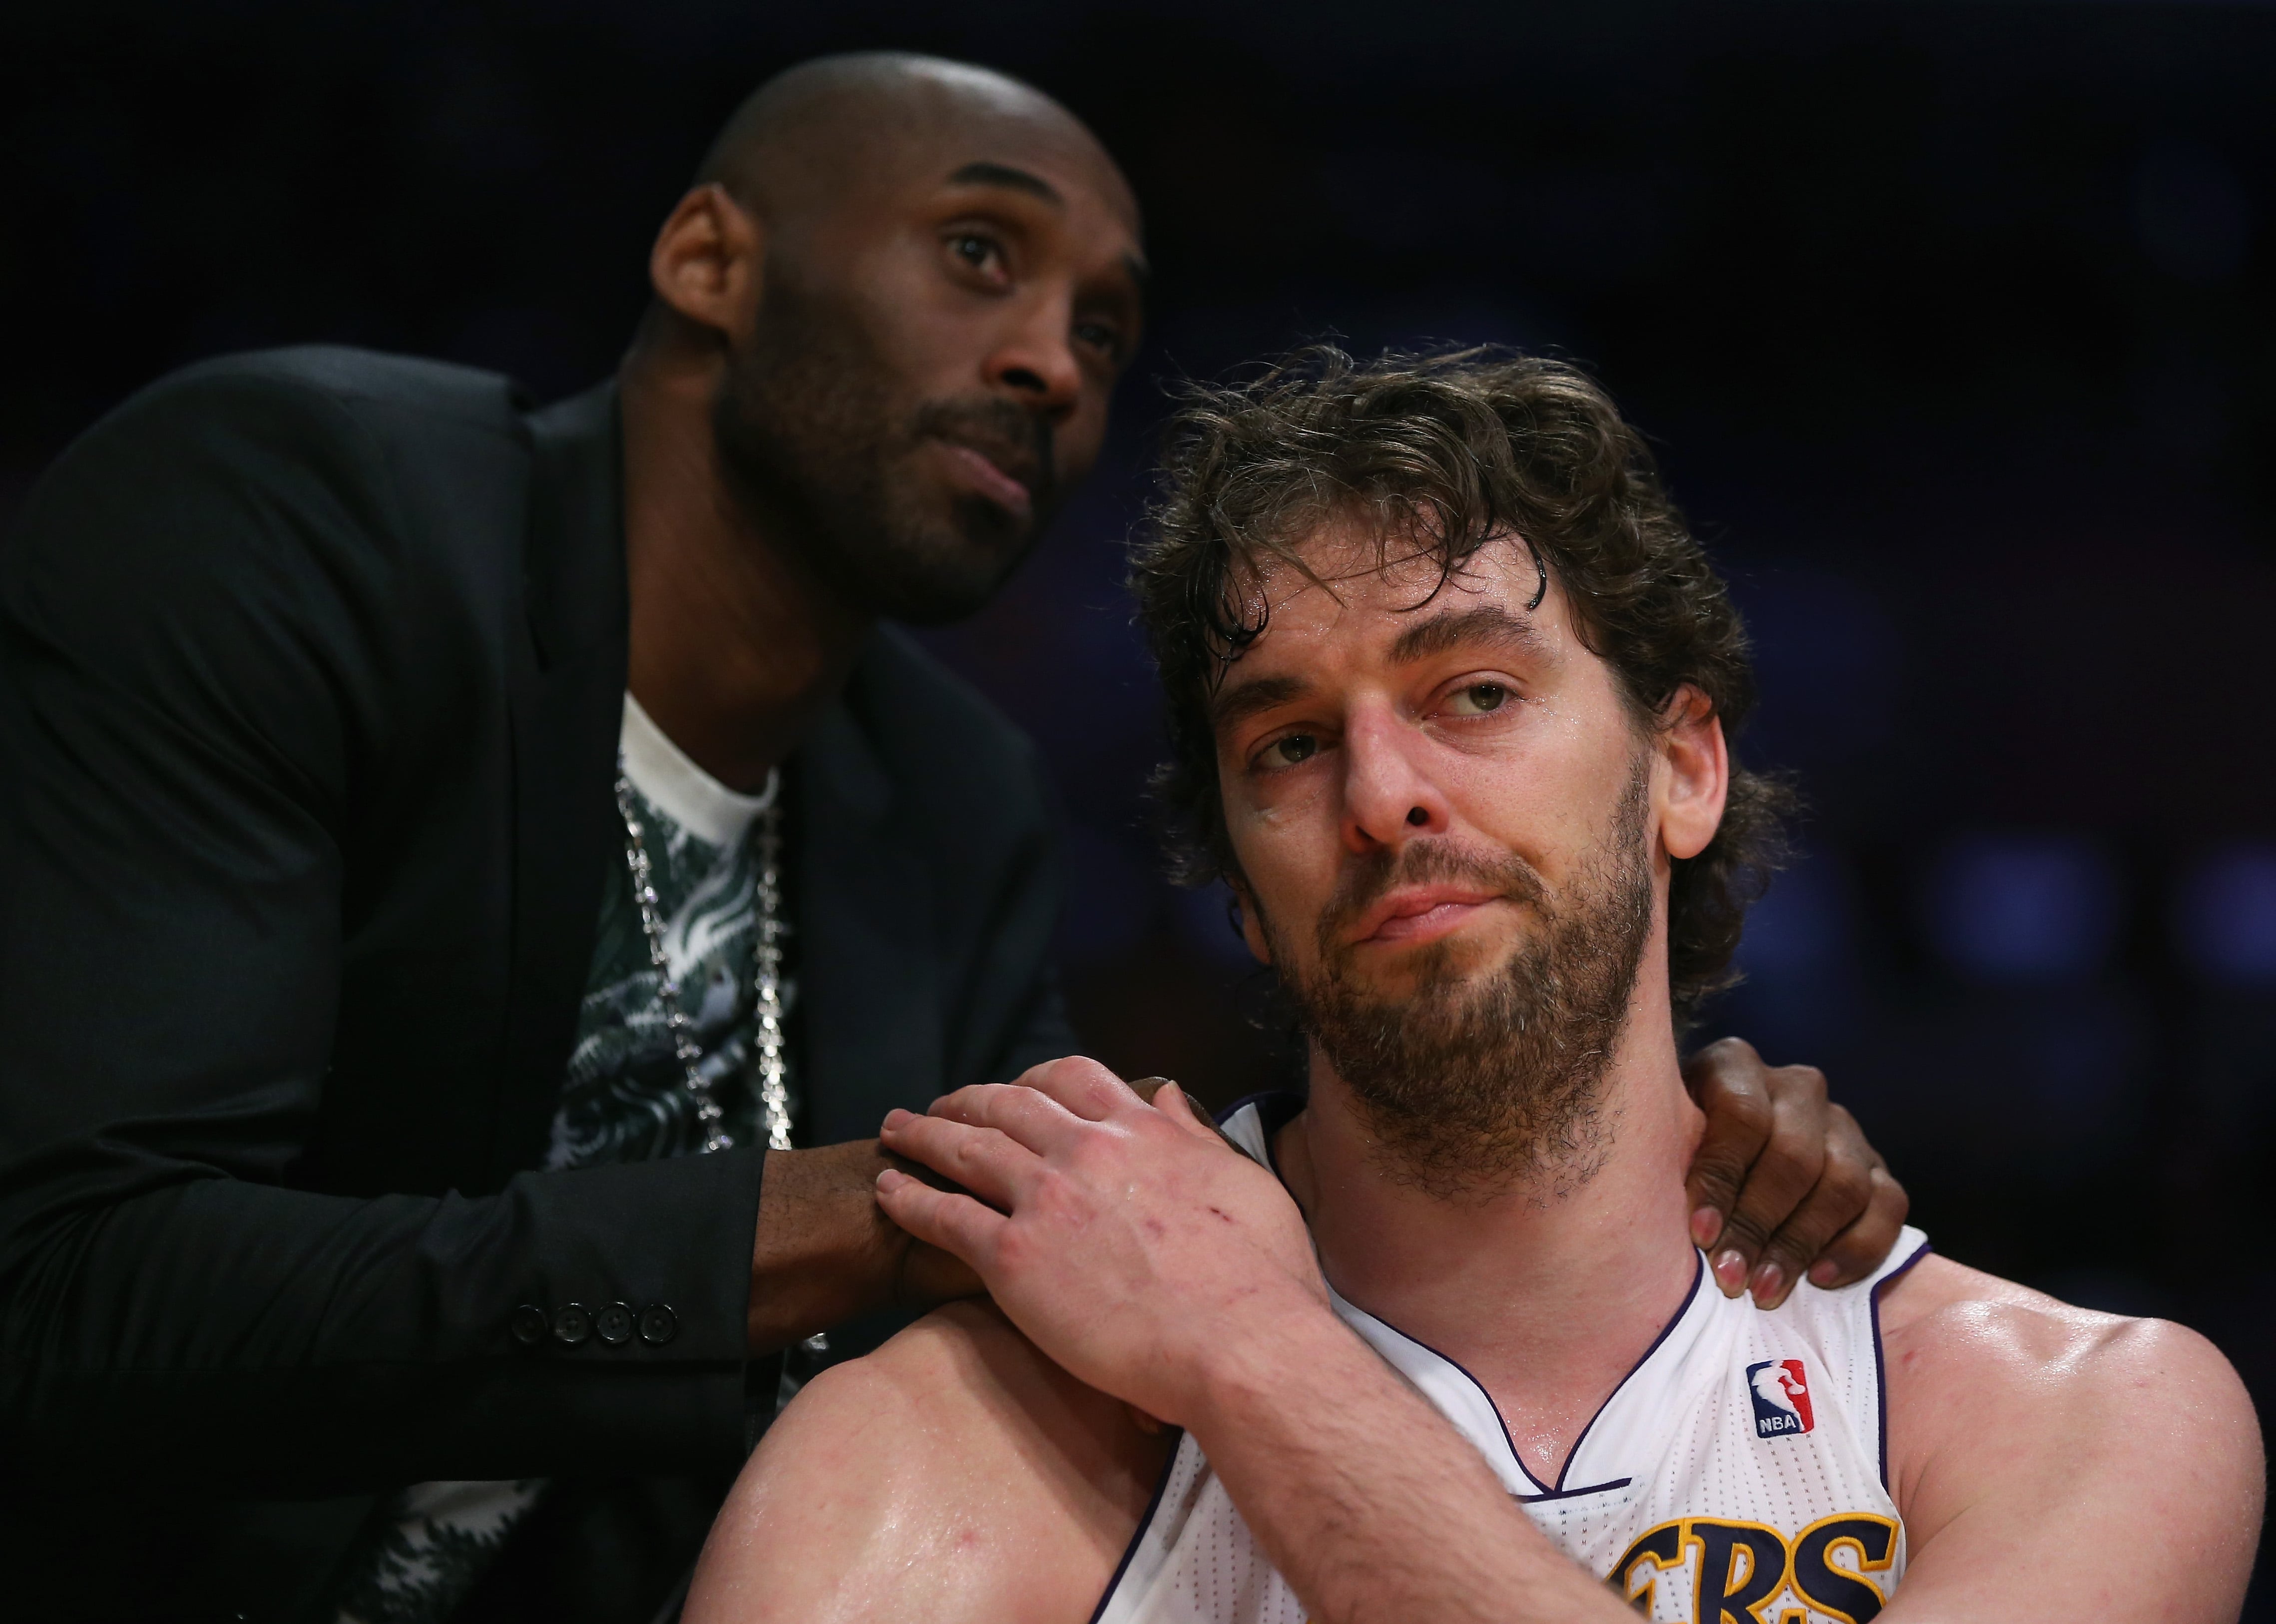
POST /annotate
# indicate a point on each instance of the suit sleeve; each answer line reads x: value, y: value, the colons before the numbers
x: 192, y: 648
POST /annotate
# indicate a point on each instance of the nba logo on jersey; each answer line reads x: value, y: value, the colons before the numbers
x: 1781, y: 1391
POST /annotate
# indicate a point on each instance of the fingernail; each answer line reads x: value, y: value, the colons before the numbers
x: 1824, y: 1271
x: 891, y: 1179
x: 1706, y: 1224
x: 896, y: 1116
x: 1768, y: 1278
x: 1731, y: 1273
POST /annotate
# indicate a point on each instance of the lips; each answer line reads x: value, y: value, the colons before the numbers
x: 1418, y: 912
x: 994, y: 475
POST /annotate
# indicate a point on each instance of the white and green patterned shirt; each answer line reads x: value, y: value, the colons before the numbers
x: 624, y: 1099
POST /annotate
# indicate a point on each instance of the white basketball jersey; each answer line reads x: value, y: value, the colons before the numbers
x: 1737, y: 1476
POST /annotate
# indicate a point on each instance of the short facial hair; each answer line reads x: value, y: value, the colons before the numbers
x: 1476, y: 1084
x: 814, y: 440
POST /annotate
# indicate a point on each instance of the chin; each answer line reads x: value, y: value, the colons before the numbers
x: 943, y: 567
x: 1393, y: 974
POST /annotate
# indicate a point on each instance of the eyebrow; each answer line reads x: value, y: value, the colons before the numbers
x: 986, y: 174
x: 1488, y: 623
x: 1243, y: 700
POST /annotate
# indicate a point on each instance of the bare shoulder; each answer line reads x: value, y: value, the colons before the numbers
x: 1945, y: 1325
x: 2016, y: 1421
x: 955, y: 1473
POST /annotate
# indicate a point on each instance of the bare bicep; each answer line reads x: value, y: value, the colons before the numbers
x: 2058, y: 1465
x: 954, y: 1475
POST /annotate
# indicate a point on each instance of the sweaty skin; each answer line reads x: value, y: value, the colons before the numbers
x: 2050, y: 1463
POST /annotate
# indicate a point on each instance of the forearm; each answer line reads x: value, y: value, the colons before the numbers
x: 1368, y: 1501
x: 825, y: 1252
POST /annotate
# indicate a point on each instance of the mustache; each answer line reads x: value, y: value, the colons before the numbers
x: 1015, y: 439
x: 1424, y: 862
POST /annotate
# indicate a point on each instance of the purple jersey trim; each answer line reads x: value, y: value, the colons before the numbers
x: 1698, y: 1273
x: 1573, y: 1494
x: 1144, y: 1523
x: 1880, y: 1365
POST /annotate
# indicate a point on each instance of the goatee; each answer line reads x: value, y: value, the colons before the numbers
x: 813, y: 437
x: 1478, y: 1082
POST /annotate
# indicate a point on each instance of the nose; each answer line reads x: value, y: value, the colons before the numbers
x: 1034, y: 361
x: 1389, y: 796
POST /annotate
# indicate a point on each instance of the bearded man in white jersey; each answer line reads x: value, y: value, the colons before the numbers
x: 1451, y: 690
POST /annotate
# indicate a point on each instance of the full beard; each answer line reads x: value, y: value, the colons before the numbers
x: 811, y: 432
x: 1477, y: 1084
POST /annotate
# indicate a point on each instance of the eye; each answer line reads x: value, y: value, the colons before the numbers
x: 1291, y: 751
x: 978, y: 251
x: 1477, y: 699
x: 1101, y: 337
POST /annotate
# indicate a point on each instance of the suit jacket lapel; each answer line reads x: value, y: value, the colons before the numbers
x: 870, y: 992
x: 567, y: 684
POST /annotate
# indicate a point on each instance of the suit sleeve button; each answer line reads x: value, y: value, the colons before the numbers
x: 529, y: 1325
x: 573, y: 1325
x: 658, y: 1324
x: 614, y: 1324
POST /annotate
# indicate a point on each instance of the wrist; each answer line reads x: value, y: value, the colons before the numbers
x: 824, y: 1252
x: 1246, y: 1368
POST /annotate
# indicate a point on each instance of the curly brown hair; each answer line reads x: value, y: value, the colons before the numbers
x: 1446, y: 449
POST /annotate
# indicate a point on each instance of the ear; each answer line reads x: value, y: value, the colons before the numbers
x: 1698, y: 773
x: 707, y: 261
x: 1251, y: 931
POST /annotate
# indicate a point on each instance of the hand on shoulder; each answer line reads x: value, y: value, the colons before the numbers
x: 1133, y: 1244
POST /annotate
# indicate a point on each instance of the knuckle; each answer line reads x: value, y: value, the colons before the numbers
x: 1890, y: 1194
x: 1753, y: 1111
x: 1718, y: 1176
x: 1803, y: 1082
x: 1847, y: 1182
x: 1746, y: 1115
x: 1716, y: 1071
x: 1792, y: 1252
x: 1790, y: 1167
x: 1047, y: 1198
x: 1798, y: 1130
x: 1728, y: 1051
x: 1841, y: 1128
x: 1745, y: 1232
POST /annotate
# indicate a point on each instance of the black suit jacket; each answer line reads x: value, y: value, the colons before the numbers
x: 311, y: 667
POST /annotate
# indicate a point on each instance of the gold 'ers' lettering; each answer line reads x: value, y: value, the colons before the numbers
x: 1742, y: 1565
x: 1739, y: 1568
x: 1845, y: 1593
x: 1637, y: 1571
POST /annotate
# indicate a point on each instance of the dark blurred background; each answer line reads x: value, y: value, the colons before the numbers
x: 1956, y: 325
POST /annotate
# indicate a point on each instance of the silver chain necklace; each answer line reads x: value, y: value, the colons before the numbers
x: 769, y: 1065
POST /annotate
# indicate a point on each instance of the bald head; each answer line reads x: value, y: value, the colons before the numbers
x: 901, y: 291
x: 819, y: 134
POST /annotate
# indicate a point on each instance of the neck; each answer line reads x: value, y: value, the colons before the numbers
x: 736, y: 645
x: 1549, y: 1291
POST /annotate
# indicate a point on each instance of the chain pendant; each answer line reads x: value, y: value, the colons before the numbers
x: 772, y: 1068
x: 768, y: 1045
